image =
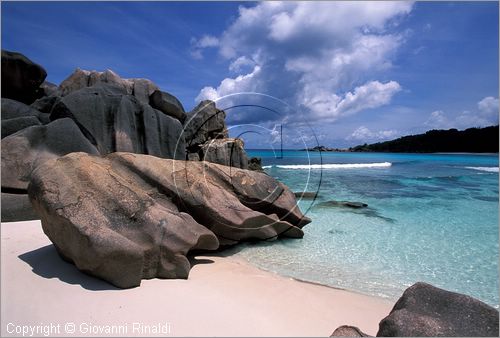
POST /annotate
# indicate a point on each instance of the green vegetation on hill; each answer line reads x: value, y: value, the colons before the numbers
x: 472, y: 140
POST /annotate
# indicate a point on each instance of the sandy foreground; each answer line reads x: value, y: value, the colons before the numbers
x: 224, y: 296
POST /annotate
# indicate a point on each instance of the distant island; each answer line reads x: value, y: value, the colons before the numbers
x: 323, y: 148
x: 472, y: 140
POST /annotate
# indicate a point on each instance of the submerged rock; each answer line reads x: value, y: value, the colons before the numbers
x: 306, y: 194
x: 354, y: 205
x: 126, y: 217
x: 21, y: 77
x: 426, y: 311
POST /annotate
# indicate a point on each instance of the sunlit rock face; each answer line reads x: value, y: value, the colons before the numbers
x: 125, y: 217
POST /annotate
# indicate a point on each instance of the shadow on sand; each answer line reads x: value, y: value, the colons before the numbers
x: 47, y: 263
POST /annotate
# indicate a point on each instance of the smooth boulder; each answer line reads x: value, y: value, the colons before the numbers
x: 17, y: 207
x: 427, y: 311
x: 12, y: 109
x: 168, y: 104
x: 12, y: 126
x: 21, y: 77
x: 25, y: 150
x: 148, y: 213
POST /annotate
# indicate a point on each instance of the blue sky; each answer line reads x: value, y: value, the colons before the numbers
x: 344, y: 73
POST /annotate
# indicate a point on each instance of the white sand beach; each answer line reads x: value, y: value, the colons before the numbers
x: 224, y: 296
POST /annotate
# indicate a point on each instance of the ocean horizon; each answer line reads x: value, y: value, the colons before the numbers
x: 430, y: 218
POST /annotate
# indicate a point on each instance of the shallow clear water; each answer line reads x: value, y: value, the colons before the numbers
x: 430, y: 217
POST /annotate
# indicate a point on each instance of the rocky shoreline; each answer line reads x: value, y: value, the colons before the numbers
x: 127, y: 184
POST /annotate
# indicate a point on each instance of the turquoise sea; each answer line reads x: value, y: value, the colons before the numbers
x: 430, y: 217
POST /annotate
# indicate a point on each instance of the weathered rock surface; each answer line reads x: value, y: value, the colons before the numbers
x: 206, y: 136
x: 12, y: 109
x: 21, y: 77
x: 148, y: 213
x: 348, y: 331
x: 140, y: 88
x: 167, y: 104
x: 17, y: 207
x: 426, y: 311
x: 226, y: 151
x: 255, y: 163
x: 45, y: 104
x: 115, y: 121
x: 11, y: 126
x: 49, y: 89
x: 204, y: 123
x: 27, y: 149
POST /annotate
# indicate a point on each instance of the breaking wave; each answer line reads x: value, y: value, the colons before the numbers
x: 332, y: 166
x: 488, y: 169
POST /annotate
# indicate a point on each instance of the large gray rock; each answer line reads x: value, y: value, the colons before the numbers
x: 12, y: 109
x: 115, y: 121
x: 11, y: 126
x: 140, y: 88
x: 204, y: 123
x: 207, y: 138
x: 17, y: 207
x: 426, y: 311
x: 167, y: 104
x: 45, y: 104
x: 226, y: 151
x: 25, y: 150
x: 21, y: 77
x: 147, y: 213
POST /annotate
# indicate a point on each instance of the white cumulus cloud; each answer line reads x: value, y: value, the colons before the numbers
x: 197, y: 45
x: 363, y: 134
x: 486, y: 115
x: 323, y: 57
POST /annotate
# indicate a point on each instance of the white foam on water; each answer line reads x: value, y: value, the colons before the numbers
x: 488, y: 169
x: 334, y: 166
